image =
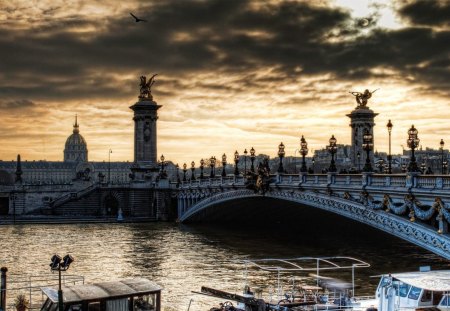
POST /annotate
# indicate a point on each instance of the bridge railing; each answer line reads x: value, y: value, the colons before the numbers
x: 375, y: 180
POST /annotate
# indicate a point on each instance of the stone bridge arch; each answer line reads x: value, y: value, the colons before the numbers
x: 192, y: 203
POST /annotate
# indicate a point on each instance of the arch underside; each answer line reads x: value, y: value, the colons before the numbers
x: 218, y: 207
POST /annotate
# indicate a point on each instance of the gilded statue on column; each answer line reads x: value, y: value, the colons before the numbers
x: 146, y: 87
x: 362, y: 98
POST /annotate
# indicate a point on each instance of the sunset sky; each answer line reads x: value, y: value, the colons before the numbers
x: 232, y: 74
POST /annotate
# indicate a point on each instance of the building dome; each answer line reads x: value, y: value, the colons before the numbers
x: 76, y: 147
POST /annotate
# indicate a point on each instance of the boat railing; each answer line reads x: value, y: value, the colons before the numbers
x: 30, y: 286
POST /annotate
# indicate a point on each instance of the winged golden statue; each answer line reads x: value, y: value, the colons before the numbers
x: 362, y: 98
x: 146, y: 87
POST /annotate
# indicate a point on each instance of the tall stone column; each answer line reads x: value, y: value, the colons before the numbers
x: 145, y: 132
x: 361, y: 118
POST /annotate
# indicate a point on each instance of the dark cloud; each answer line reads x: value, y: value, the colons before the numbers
x: 16, y: 104
x: 427, y: 12
x: 77, y: 57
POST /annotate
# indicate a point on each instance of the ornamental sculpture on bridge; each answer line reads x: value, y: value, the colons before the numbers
x: 362, y: 98
x: 146, y: 87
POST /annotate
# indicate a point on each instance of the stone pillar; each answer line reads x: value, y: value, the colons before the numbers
x: 361, y: 118
x: 145, y: 134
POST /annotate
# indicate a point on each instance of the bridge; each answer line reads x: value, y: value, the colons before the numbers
x: 413, y: 207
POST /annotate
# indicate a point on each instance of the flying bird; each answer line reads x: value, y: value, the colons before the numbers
x: 137, y: 19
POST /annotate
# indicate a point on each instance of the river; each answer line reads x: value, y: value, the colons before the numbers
x: 182, y: 258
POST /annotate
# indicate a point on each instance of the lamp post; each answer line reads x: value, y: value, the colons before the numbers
x: 212, y: 163
x: 202, y: 164
x: 252, y: 159
x: 178, y: 173
x: 162, y: 158
x: 313, y: 160
x: 303, y: 152
x: 184, y: 171
x: 367, y: 146
x: 224, y: 164
x: 109, y: 166
x: 236, y: 162
x: 281, y: 154
x: 413, y: 142
x: 442, y: 156
x: 389, y: 126
x: 358, y: 155
x: 245, y: 162
x: 332, y: 148
x: 192, y: 170
x: 60, y: 264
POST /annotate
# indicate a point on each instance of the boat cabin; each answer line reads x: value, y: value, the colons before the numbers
x: 138, y: 294
x: 414, y: 290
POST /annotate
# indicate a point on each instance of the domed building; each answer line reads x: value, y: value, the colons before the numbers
x: 76, y: 147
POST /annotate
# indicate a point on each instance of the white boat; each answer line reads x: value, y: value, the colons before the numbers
x: 409, y: 291
x: 421, y: 290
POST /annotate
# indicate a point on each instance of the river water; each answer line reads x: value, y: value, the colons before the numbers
x: 182, y: 258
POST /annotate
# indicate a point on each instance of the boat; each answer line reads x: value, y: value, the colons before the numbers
x: 308, y: 288
x: 423, y: 289
x: 136, y: 294
x: 420, y: 290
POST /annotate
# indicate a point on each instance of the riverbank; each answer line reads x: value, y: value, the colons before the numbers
x: 46, y: 219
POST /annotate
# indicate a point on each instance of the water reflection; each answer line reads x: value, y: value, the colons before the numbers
x: 183, y: 258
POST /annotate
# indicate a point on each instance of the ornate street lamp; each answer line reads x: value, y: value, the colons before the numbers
x: 252, y: 159
x: 303, y: 152
x: 224, y: 164
x: 212, y: 163
x: 332, y: 149
x: 358, y: 155
x: 367, y: 146
x: 184, y: 171
x: 163, y: 175
x: 245, y: 162
x: 60, y: 264
x: 442, y: 156
x: 236, y: 162
x: 109, y: 166
x: 202, y: 164
x: 389, y: 126
x: 192, y: 170
x: 281, y: 154
x: 178, y: 173
x: 413, y: 142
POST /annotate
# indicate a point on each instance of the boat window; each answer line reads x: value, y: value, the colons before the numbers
x: 144, y: 303
x: 414, y: 293
x: 427, y: 295
x: 75, y: 307
x: 445, y: 301
x: 403, y: 289
x: 94, y: 306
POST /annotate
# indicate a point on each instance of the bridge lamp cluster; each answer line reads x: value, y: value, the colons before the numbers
x: 224, y: 164
x: 332, y: 149
x: 368, y: 146
x: 212, y: 164
x: 193, y: 170
x: 252, y: 159
x: 303, y: 152
x: 281, y: 154
x: 236, y: 162
x: 413, y: 142
x: 202, y: 164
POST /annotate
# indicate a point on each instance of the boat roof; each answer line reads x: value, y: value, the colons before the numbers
x: 306, y: 263
x: 435, y: 280
x: 97, y: 291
